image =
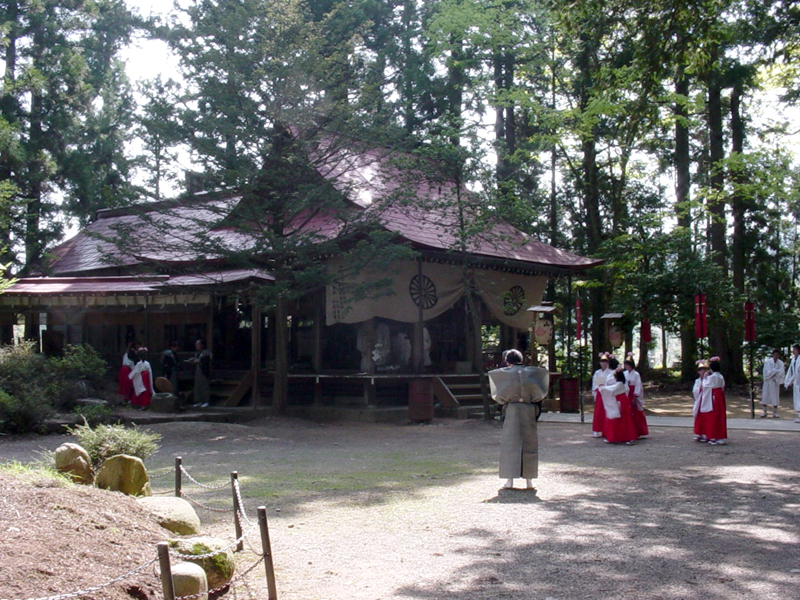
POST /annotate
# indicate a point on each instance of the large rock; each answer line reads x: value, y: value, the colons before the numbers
x: 74, y: 461
x: 218, y: 568
x: 189, y: 579
x: 123, y: 473
x: 174, y: 514
x: 164, y: 403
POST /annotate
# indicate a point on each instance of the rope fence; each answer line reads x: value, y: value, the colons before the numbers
x: 165, y: 553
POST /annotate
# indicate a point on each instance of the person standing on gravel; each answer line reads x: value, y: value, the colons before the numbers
x: 774, y: 374
x: 793, y: 378
x: 715, y: 386
x: 519, y: 390
x: 702, y: 403
x: 599, y: 378
x: 635, y: 391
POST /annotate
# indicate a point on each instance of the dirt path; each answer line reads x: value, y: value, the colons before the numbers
x: 379, y: 511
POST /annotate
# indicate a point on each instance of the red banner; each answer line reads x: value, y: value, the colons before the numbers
x: 647, y: 333
x: 578, y: 319
x: 749, y: 322
x: 700, y: 317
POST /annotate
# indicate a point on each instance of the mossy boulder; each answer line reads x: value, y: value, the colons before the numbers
x: 123, y: 473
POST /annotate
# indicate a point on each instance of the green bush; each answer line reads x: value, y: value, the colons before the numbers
x: 22, y: 368
x: 24, y: 412
x: 81, y: 362
x: 105, y: 441
x: 56, y: 381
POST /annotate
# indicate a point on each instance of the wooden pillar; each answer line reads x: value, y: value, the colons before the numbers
x: 255, y: 351
x: 210, y: 327
x: 319, y: 319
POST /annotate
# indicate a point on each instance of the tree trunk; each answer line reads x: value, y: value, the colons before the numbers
x: 280, y: 386
x: 683, y: 213
x: 718, y: 328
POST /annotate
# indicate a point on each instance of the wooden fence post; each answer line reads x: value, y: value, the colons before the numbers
x: 178, y: 476
x: 267, y: 551
x: 166, y: 571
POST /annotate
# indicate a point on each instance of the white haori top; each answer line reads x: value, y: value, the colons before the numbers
x: 633, y: 378
x: 127, y: 362
x: 599, y: 378
x: 136, y: 377
x: 609, y: 393
x: 702, y: 401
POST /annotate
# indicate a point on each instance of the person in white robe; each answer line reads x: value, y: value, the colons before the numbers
x: 774, y: 375
x: 520, y: 390
x: 793, y: 379
x: 599, y: 378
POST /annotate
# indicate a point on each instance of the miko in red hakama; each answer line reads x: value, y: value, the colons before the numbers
x: 142, y: 380
x: 124, y: 383
x: 634, y: 382
x: 718, y: 419
x: 599, y: 378
x: 619, y: 427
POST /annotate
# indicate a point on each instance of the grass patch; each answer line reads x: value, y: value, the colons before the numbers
x: 35, y: 473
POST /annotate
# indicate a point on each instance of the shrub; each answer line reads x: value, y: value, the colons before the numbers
x: 24, y: 412
x: 105, y: 441
x: 22, y: 369
x: 81, y: 362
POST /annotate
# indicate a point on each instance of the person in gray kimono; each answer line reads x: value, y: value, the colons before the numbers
x: 202, y: 374
x: 520, y: 390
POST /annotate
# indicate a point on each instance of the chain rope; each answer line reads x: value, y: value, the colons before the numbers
x: 96, y: 588
x: 203, y: 506
x: 202, y: 485
x: 224, y: 585
x: 242, y: 513
x: 160, y: 475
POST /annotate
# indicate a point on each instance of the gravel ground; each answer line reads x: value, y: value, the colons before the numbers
x: 373, y: 512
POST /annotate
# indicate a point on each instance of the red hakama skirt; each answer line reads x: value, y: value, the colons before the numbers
x: 617, y: 431
x: 718, y: 419
x: 124, y: 383
x: 639, y: 418
x: 599, y: 418
x: 144, y: 398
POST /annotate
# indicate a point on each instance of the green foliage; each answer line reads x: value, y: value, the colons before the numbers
x: 38, y: 473
x: 81, y: 362
x: 105, y: 441
x: 23, y: 413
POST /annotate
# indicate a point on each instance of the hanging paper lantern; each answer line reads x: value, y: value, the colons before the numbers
x: 615, y: 336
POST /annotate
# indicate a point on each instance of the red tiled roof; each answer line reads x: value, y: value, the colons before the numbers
x: 420, y: 212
